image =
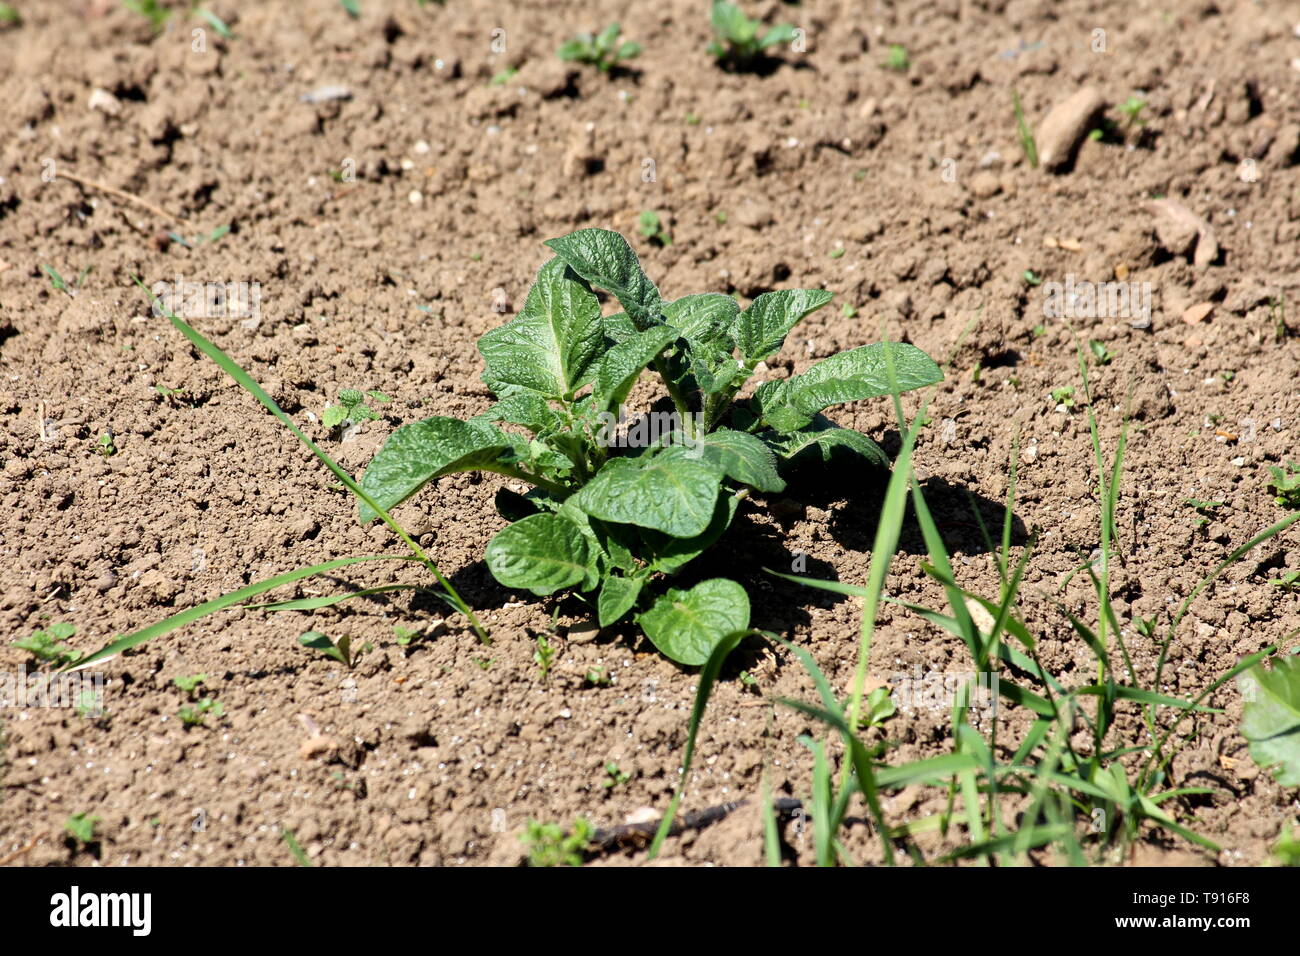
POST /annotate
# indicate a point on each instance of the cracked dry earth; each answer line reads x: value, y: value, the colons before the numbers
x: 906, y: 193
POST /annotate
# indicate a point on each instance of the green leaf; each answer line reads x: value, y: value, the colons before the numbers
x: 617, y: 596
x: 608, y: 36
x: 1270, y: 717
x: 743, y: 458
x: 522, y: 407
x: 702, y: 316
x: 605, y: 259
x: 762, y: 327
x: 825, y: 436
x: 686, y: 625
x: 730, y: 23
x: 333, y: 416
x: 851, y: 376
x: 675, y: 496
x: 668, y: 554
x: 618, y: 371
x: 415, y: 454
x: 778, y: 34
x: 319, y: 642
x: 543, y: 553
x: 550, y: 346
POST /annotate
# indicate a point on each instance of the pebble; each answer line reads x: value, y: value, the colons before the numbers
x: 1069, y: 121
x: 1196, y: 313
x: 104, y: 101
x: 324, y: 94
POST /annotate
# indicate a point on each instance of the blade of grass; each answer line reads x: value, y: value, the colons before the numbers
x: 245, y: 381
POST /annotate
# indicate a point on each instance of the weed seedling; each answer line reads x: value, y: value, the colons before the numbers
x: 550, y: 845
x: 81, y: 827
x: 505, y: 76
x: 692, y: 119
x: 199, y: 240
x: 194, y: 715
x: 1063, y: 396
x: 1204, y: 509
x: 9, y: 17
x: 543, y: 657
x: 650, y: 226
x: 848, y: 311
x: 405, y: 635
x: 151, y: 10
x: 879, y: 708
x: 1131, y: 109
x: 614, y: 777
x: 598, y: 677
x: 47, y: 645
x: 838, y: 252
x: 190, y: 684
x: 737, y: 43
x: 896, y: 59
x: 1285, y: 482
x: 1030, y: 278
x: 483, y: 662
x: 1277, y: 309
x: 1099, y: 351
x: 340, y: 651
x: 352, y: 407
x: 602, y: 51
x: 1024, y: 133
x: 1289, y: 581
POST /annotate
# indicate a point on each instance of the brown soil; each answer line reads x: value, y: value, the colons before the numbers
x: 439, y: 751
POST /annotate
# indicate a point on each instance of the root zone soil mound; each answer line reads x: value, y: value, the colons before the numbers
x: 386, y: 229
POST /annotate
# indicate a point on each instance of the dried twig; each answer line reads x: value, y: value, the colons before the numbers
x: 119, y: 194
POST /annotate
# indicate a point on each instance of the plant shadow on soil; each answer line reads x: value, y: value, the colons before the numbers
x: 760, y: 537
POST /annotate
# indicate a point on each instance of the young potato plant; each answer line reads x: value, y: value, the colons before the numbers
x: 738, y: 43
x: 613, y: 510
x: 602, y: 51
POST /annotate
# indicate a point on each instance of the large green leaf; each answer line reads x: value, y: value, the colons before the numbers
x: 605, y: 259
x: 825, y: 437
x: 550, y: 346
x: 521, y: 406
x: 851, y: 376
x: 762, y: 327
x: 618, y: 370
x: 417, y: 453
x: 543, y: 553
x: 677, y: 496
x: 1270, y: 717
x: 743, y: 458
x: 668, y: 554
x: 686, y: 625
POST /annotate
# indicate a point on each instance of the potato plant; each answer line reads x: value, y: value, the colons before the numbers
x: 611, y: 511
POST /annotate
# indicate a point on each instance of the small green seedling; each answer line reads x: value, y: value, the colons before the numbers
x: 340, y: 650
x: 194, y: 715
x: 1289, y: 581
x: 352, y: 407
x: 550, y: 845
x: 848, y: 311
x: 650, y: 226
x: 1099, y: 351
x: 190, y: 684
x: 484, y: 663
x: 405, y: 635
x: 9, y: 17
x: 602, y: 51
x: 837, y: 252
x: 614, y: 777
x: 294, y: 849
x: 211, y: 237
x: 1132, y: 109
x: 896, y: 59
x: 1024, y: 133
x: 692, y: 119
x: 47, y: 646
x: 1286, y: 484
x: 1146, y: 626
x: 1287, y: 847
x: 1031, y: 278
x: 90, y: 705
x: 748, y: 679
x: 504, y: 77
x: 1277, y: 309
x: 1205, y: 509
x: 879, y: 708
x: 1063, y: 396
x: 544, y: 657
x: 81, y: 827
x: 60, y: 284
x: 352, y: 8
x: 151, y: 10
x: 598, y: 677
x: 737, y: 42
x: 105, y: 445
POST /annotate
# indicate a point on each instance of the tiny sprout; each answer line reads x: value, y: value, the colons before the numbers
x: 896, y: 59
x: 602, y: 51
x: 650, y: 226
x: 105, y: 445
x: 81, y: 827
x: 1064, y: 396
x: 352, y: 407
x: 340, y: 650
x: 614, y: 777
